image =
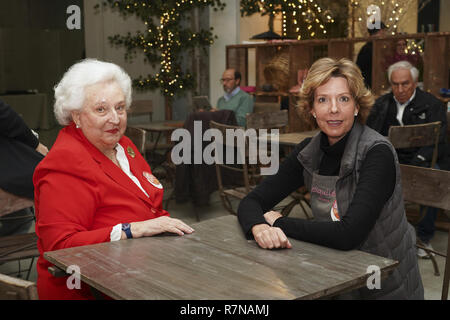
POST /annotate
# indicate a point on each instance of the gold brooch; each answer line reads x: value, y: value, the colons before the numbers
x: 131, y: 152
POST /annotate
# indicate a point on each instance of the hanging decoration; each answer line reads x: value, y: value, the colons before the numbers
x: 301, y: 19
x: 392, y: 12
x: 166, y: 36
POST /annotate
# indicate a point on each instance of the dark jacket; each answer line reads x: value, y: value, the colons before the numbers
x: 392, y: 236
x: 18, y: 156
x: 197, y: 181
x: 364, y: 62
x: 424, y: 108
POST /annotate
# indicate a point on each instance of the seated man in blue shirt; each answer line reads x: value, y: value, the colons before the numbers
x: 234, y: 98
x: 407, y: 105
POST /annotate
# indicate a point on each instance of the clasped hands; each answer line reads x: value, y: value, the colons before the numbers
x: 269, y: 237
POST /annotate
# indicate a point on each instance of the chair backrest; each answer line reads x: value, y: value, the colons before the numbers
x: 417, y: 135
x: 266, y: 107
x: 228, y: 144
x: 138, y: 137
x: 139, y: 107
x: 11, y: 203
x: 268, y: 120
x: 429, y: 187
x: 426, y: 186
x: 17, y: 289
x: 201, y: 103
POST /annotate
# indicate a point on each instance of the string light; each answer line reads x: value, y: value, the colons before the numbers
x: 394, y: 11
x: 313, y: 16
x: 165, y: 40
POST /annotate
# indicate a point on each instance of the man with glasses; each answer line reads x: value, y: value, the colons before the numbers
x: 407, y: 105
x: 234, y: 98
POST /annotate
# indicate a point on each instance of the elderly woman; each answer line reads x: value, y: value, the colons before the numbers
x: 353, y: 176
x: 94, y: 186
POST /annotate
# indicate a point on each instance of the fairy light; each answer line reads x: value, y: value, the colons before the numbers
x: 394, y: 11
x: 163, y: 40
x: 307, y: 11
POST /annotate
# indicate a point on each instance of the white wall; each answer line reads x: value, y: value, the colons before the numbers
x: 226, y: 25
x: 98, y: 25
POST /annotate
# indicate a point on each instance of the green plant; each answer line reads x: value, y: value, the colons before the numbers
x: 165, y: 39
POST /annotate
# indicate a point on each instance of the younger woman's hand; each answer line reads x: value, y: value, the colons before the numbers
x: 268, y: 237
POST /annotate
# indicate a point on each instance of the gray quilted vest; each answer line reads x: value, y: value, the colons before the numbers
x: 392, y: 236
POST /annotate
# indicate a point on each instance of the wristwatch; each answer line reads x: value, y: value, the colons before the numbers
x: 126, y: 227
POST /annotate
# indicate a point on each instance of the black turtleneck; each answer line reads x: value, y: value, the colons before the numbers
x: 331, y: 160
x: 374, y: 188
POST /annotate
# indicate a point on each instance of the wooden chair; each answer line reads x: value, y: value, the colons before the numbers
x: 412, y: 136
x: 266, y: 107
x: 279, y: 120
x: 249, y: 173
x: 138, y: 137
x: 160, y: 168
x: 21, y: 246
x: 417, y: 135
x: 140, y: 107
x: 17, y: 289
x: 268, y: 120
x: 429, y: 187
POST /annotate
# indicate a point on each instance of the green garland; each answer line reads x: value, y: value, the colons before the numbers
x: 164, y: 40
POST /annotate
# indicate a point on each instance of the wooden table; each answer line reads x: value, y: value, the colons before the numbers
x: 160, y: 128
x: 217, y: 262
x: 291, y: 139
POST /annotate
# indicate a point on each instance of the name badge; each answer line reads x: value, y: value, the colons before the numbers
x: 152, y: 179
x: 334, y: 212
x: 131, y: 152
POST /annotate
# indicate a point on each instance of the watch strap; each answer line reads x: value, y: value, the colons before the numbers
x: 126, y: 227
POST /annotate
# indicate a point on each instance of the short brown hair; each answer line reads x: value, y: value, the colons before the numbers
x: 320, y: 72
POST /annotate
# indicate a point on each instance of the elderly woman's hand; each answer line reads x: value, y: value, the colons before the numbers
x: 268, y: 237
x: 159, y: 225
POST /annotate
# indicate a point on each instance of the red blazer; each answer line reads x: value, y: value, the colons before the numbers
x: 80, y: 195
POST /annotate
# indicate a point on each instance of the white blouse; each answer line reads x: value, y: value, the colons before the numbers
x: 121, y: 157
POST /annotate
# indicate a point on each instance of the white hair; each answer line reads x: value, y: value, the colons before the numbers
x: 70, y: 91
x: 404, y: 65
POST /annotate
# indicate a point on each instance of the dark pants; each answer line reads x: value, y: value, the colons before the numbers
x: 18, y: 222
x: 426, y: 228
